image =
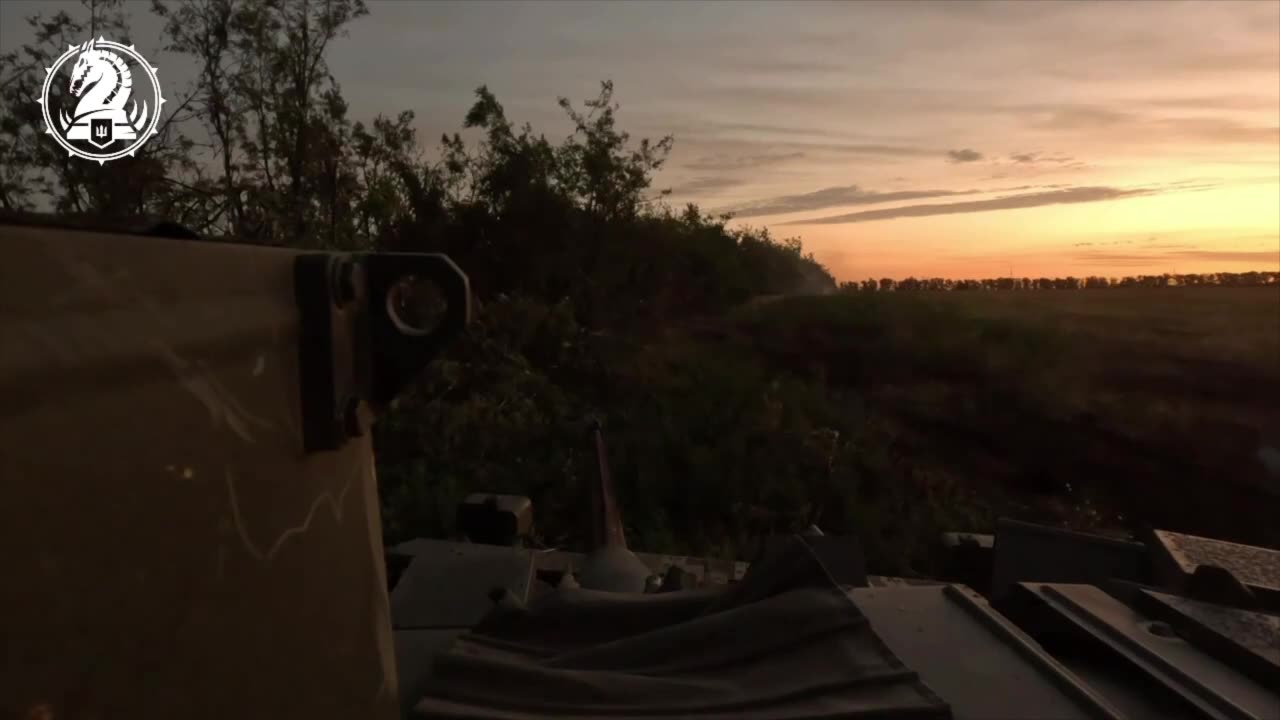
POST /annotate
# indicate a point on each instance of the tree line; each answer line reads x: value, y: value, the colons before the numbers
x: 1220, y: 279
x: 262, y: 147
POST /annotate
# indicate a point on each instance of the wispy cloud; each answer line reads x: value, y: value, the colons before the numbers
x: 1221, y: 102
x: 1098, y: 244
x: 749, y: 60
x: 1008, y: 202
x: 815, y: 148
x: 1039, y: 158
x: 877, y: 149
x: 726, y: 162
x: 706, y: 185
x: 1217, y: 130
x: 835, y: 197
x: 1078, y: 117
x: 966, y: 155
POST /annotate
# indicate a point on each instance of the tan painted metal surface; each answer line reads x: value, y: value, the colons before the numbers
x: 168, y: 549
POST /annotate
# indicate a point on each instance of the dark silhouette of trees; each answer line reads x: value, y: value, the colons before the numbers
x: 262, y: 148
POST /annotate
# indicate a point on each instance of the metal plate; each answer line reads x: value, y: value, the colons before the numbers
x: 1040, y: 553
x: 448, y: 583
x: 1248, y: 641
x: 1215, y: 688
x: 169, y: 550
x: 1181, y: 554
x: 972, y: 657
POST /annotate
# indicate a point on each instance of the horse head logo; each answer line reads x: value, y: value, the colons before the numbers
x: 90, y: 67
x: 98, y: 116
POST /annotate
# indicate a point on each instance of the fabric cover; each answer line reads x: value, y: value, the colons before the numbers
x: 786, y: 642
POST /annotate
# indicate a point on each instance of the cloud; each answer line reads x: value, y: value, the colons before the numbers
x: 835, y: 197
x: 1142, y: 126
x: 723, y: 162
x: 1208, y: 102
x: 748, y: 60
x: 1167, y: 246
x: 1228, y: 60
x: 874, y: 149
x: 1078, y: 117
x: 854, y: 195
x: 1007, y: 202
x: 800, y: 130
x: 1092, y: 244
x: 706, y: 185
x: 719, y: 148
x: 1217, y: 130
x: 967, y: 155
x: 1039, y: 158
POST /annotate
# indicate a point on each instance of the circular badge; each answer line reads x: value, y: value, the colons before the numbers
x: 101, y: 100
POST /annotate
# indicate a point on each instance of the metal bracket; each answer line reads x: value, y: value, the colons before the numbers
x: 368, y: 323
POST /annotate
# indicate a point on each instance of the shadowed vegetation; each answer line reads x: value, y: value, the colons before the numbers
x: 894, y: 416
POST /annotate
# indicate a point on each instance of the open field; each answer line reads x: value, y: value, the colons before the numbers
x: 895, y: 416
x: 1105, y: 409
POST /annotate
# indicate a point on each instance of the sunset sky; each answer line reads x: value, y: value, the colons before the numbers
x: 895, y: 138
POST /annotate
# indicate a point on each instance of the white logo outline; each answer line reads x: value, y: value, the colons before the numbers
x: 142, y: 134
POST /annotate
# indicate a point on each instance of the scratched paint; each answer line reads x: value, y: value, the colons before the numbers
x: 266, y: 553
x: 223, y: 407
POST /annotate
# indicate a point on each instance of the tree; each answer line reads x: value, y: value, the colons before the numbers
x: 598, y: 168
x: 204, y: 29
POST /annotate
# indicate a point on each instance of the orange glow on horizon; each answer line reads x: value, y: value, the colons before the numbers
x: 1232, y: 228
